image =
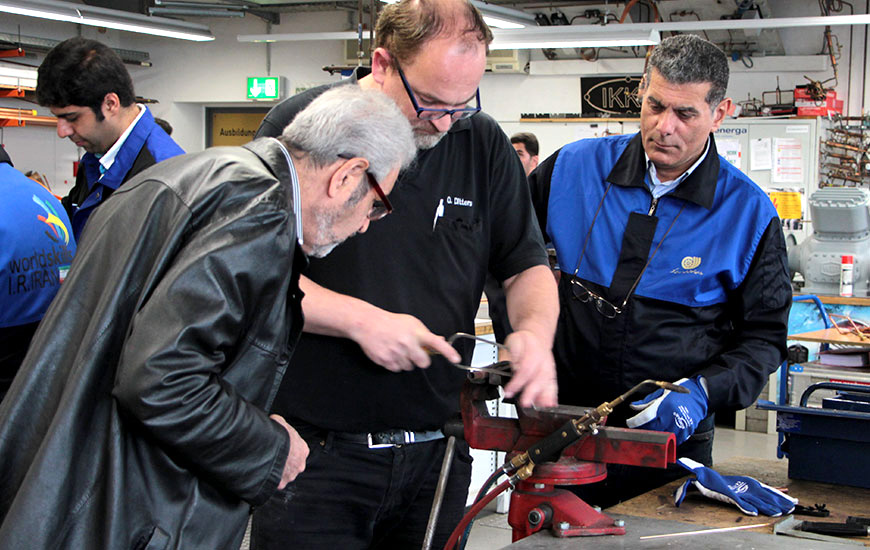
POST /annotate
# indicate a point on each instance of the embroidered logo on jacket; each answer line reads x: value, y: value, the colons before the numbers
x: 690, y: 262
x: 689, y: 265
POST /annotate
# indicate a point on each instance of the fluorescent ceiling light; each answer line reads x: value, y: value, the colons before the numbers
x: 504, y: 18
x: 501, y: 23
x: 573, y: 36
x: 746, y: 24
x: 298, y: 36
x: 18, y: 73
x: 111, y: 19
x: 17, y: 78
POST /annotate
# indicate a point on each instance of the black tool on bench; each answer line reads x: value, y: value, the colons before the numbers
x: 845, y: 529
x: 816, y: 510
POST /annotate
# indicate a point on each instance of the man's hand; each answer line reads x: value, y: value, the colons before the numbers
x: 534, y: 370
x: 667, y: 411
x: 400, y: 342
x: 295, y: 463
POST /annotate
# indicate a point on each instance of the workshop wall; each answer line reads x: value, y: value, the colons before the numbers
x: 186, y: 77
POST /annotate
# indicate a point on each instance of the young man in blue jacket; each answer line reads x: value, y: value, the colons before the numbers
x: 86, y: 86
x: 674, y: 265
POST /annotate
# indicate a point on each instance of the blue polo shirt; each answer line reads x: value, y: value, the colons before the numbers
x: 37, y: 248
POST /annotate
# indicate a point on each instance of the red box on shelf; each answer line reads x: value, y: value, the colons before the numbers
x: 807, y: 106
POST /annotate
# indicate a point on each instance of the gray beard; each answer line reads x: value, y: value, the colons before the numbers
x: 324, y: 220
x: 427, y: 141
x: 323, y: 251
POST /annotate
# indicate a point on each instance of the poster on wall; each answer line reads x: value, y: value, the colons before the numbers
x: 789, y: 204
x: 232, y: 126
x: 610, y: 96
x: 731, y: 150
x: 760, y: 154
x: 787, y: 161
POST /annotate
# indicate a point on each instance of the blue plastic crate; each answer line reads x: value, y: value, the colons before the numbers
x: 830, y: 445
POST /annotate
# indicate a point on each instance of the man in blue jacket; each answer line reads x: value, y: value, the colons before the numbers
x: 674, y: 265
x: 86, y: 86
x: 37, y: 249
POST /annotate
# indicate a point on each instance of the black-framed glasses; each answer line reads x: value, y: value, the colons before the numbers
x: 381, y: 207
x: 585, y: 295
x: 426, y: 113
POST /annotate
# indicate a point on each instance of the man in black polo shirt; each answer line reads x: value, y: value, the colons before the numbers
x: 461, y: 210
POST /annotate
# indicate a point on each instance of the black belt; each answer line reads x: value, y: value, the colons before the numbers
x: 389, y: 438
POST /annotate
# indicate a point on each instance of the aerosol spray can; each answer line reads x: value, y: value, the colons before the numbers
x: 846, y: 274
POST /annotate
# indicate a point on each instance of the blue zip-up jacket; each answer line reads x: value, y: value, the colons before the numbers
x: 713, y: 299
x: 146, y: 145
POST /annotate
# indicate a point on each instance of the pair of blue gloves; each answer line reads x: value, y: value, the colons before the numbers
x: 748, y: 494
x: 680, y: 413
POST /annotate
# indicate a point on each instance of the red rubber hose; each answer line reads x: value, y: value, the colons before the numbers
x: 475, y: 509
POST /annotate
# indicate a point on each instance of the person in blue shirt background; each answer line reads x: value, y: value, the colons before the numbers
x: 37, y: 248
x: 86, y: 86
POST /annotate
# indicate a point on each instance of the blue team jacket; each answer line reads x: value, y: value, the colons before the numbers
x: 713, y: 300
x: 146, y: 145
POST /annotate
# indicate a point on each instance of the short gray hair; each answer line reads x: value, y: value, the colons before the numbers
x: 348, y: 120
x: 688, y: 58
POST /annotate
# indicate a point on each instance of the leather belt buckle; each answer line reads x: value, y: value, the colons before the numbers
x: 380, y: 440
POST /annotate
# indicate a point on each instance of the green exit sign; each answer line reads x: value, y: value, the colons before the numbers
x: 263, y: 87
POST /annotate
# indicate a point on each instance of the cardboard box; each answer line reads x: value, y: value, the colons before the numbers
x: 807, y: 106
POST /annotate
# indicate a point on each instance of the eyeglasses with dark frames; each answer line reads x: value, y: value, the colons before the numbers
x: 585, y: 295
x: 381, y: 207
x: 426, y: 113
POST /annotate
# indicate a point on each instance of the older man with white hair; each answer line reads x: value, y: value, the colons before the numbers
x: 138, y: 417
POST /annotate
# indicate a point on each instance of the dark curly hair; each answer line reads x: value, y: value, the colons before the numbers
x: 81, y: 72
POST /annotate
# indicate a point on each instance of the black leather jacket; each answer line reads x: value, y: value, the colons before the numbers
x: 136, y: 420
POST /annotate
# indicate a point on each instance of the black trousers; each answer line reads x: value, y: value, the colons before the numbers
x: 352, y: 497
x: 626, y: 482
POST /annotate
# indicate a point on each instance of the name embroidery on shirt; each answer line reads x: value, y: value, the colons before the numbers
x: 459, y: 201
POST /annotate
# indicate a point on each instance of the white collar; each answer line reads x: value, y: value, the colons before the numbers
x: 108, y: 158
x: 297, y: 195
x: 679, y: 179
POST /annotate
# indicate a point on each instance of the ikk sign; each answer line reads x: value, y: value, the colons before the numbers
x: 263, y: 87
x: 610, y: 96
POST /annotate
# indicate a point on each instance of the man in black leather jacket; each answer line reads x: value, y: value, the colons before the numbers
x: 137, y: 418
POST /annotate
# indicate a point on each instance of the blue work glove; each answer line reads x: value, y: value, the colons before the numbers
x: 748, y: 494
x: 667, y: 411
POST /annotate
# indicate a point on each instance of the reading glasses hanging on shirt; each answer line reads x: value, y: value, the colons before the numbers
x: 602, y: 305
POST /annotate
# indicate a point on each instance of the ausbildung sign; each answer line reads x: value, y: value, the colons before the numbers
x: 263, y: 87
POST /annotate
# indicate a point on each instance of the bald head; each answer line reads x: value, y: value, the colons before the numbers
x: 405, y: 27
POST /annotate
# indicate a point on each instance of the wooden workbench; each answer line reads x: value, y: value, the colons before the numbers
x: 831, y: 336
x: 657, y: 506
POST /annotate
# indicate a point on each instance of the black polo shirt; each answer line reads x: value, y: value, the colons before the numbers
x: 418, y: 262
